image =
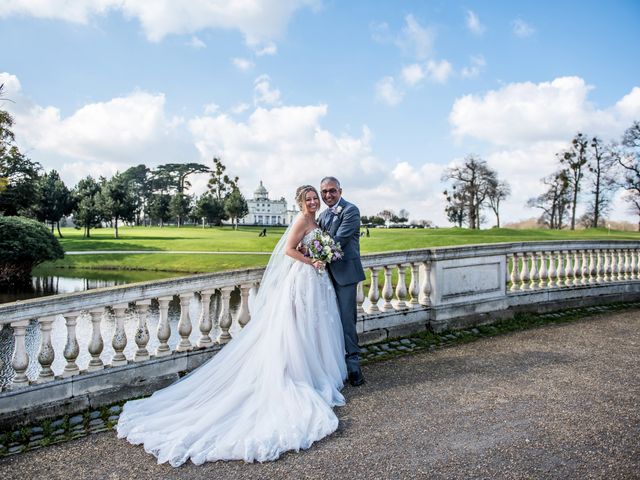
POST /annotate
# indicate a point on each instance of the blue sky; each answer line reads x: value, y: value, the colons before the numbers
x: 383, y: 95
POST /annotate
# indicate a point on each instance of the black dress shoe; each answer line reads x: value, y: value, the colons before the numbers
x: 356, y: 378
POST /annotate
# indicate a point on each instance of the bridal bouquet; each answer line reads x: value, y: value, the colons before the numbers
x: 322, y: 248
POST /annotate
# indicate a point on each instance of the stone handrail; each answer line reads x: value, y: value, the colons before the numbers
x: 406, y: 291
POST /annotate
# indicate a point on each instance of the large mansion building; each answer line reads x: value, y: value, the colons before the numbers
x: 264, y: 211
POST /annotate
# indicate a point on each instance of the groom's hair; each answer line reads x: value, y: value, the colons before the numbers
x: 331, y: 179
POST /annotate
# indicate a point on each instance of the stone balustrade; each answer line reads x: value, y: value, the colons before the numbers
x: 404, y: 292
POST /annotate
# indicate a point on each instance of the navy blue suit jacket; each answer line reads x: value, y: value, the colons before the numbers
x: 344, y: 227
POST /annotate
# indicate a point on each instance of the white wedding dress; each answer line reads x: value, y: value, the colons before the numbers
x: 270, y: 390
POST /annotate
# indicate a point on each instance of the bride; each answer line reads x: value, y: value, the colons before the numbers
x: 272, y: 388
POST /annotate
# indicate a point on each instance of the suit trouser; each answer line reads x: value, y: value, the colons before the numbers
x: 348, y: 315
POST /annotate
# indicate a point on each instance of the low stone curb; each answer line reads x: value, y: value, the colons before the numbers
x: 70, y: 427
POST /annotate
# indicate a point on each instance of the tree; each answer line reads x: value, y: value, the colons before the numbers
x: 18, y: 174
x: 174, y: 175
x: 24, y: 243
x: 179, y: 207
x: 574, y: 161
x: 220, y: 185
x: 141, y: 185
x: 211, y: 209
x: 116, y: 200
x: 455, y: 210
x: 53, y: 201
x: 386, y: 215
x: 86, y: 209
x: 498, y: 191
x: 403, y: 216
x: 159, y: 208
x: 601, y: 176
x: 235, y: 206
x: 630, y: 163
x: 555, y: 201
x: 471, y: 184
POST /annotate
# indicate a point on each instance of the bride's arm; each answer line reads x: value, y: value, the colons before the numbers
x: 293, y: 240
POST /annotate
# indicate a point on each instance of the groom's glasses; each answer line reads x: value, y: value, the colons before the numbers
x: 332, y: 191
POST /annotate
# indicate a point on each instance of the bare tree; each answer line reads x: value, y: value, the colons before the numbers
x: 603, y: 160
x: 471, y: 184
x: 574, y: 161
x: 554, y: 201
x: 498, y: 191
x: 630, y: 162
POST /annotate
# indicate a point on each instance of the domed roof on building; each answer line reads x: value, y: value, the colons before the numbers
x: 261, y: 192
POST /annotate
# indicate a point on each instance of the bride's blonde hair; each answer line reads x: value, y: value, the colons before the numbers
x: 302, y: 191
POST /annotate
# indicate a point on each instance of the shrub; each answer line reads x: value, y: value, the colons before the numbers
x: 24, y: 243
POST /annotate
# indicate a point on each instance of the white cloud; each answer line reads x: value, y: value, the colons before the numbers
x: 439, y: 72
x: 522, y: 29
x: 240, y: 108
x: 211, y: 108
x: 243, y: 64
x: 387, y: 92
x: 269, y: 48
x: 473, y: 23
x: 263, y: 93
x: 412, y: 74
x: 477, y: 65
x: 195, y: 42
x: 415, y: 39
x: 102, y: 136
x: 525, y: 112
x: 259, y: 20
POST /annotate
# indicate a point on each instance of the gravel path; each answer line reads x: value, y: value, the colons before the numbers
x: 554, y: 402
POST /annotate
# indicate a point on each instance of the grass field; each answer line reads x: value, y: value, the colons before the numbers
x: 246, y: 240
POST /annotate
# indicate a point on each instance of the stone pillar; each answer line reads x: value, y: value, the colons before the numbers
x: 533, y: 274
x: 401, y: 288
x: 243, y: 314
x: 119, y: 342
x: 225, y: 318
x: 373, y: 290
x: 568, y: 269
x: 205, y: 323
x: 46, y: 354
x: 544, y: 273
x: 524, y: 272
x: 164, y: 329
x: 142, y: 331
x: 387, y: 289
x: 414, y: 285
x: 20, y: 361
x: 96, y: 344
x: 184, y: 325
x: 425, y: 287
x: 71, y: 348
x: 360, y: 298
x: 515, y: 275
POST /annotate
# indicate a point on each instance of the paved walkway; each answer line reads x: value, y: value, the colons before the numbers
x: 555, y: 402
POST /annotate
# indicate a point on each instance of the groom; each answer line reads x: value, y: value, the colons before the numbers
x: 342, y: 221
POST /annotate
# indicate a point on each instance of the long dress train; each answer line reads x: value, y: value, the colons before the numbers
x: 270, y: 390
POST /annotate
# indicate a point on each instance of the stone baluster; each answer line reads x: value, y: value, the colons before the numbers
x: 568, y: 269
x: 164, y: 329
x: 46, y: 356
x: 425, y: 287
x: 387, y: 289
x: 142, y: 331
x: 623, y: 264
x: 71, y: 348
x: 559, y: 269
x: 243, y: 314
x: 514, y: 272
x: 360, y: 298
x: 577, y: 268
x: 599, y: 266
x: 614, y: 265
x: 533, y: 274
x: 96, y: 344
x: 544, y: 273
x: 373, y: 290
x: 205, y: 323
x: 524, y: 272
x: 592, y: 266
x: 20, y: 361
x: 553, y: 271
x: 634, y: 264
x: 184, y: 324
x: 606, y: 267
x: 225, y: 319
x: 119, y: 341
x: 414, y: 285
x: 401, y: 288
x: 584, y: 271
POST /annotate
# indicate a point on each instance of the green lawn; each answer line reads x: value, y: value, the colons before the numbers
x: 246, y: 240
